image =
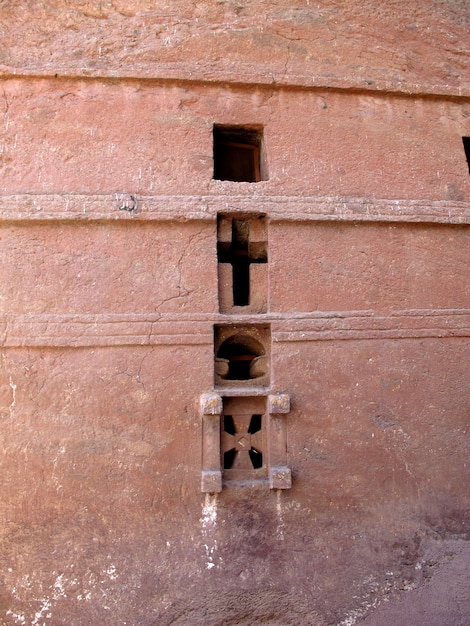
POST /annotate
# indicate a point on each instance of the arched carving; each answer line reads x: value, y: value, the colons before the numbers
x: 241, y: 354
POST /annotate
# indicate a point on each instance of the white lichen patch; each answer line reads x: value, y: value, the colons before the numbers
x: 111, y: 572
x: 59, y: 590
x: 44, y: 612
x: 209, y: 511
x: 19, y: 619
x: 280, y: 530
x: 13, y: 391
x: 377, y: 593
x: 209, y: 526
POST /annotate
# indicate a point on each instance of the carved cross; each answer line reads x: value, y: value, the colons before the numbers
x: 242, y: 441
x: 240, y: 254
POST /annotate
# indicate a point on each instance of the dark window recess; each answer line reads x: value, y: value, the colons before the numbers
x: 466, y: 147
x: 237, y: 153
x: 229, y: 426
x: 241, y: 358
x: 241, y: 253
x: 256, y: 458
x: 229, y: 458
x: 255, y: 424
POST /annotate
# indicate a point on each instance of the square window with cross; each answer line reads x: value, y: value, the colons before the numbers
x: 243, y: 438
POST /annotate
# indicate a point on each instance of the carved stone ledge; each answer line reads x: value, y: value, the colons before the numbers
x: 279, y: 403
x: 106, y: 207
x: 211, y: 481
x: 211, y: 404
x: 280, y: 478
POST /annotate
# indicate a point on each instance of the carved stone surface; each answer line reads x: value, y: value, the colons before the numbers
x: 413, y: 47
x: 280, y: 478
x: 279, y: 403
x: 112, y: 511
x: 211, y: 481
x: 211, y: 404
x: 314, y: 139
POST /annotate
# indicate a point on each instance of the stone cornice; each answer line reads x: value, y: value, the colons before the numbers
x: 147, y: 329
x: 114, y: 207
x: 200, y: 74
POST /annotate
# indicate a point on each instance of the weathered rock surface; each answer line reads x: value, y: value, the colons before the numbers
x: 110, y: 307
x: 371, y: 45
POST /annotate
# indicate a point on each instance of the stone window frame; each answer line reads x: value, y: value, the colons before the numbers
x: 277, y: 408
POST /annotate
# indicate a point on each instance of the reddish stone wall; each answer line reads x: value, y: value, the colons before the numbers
x: 418, y: 47
x: 103, y: 137
x: 109, y: 298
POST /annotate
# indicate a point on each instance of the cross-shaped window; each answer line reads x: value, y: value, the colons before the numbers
x: 240, y: 252
x: 242, y: 442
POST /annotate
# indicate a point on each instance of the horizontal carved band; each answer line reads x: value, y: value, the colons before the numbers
x: 395, y: 325
x: 244, y: 74
x: 75, y: 207
x: 62, y: 330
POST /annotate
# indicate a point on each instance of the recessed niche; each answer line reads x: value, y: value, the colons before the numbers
x: 238, y: 153
x: 244, y: 439
x: 241, y: 355
x: 242, y: 252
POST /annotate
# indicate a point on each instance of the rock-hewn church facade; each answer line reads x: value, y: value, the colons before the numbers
x: 234, y: 312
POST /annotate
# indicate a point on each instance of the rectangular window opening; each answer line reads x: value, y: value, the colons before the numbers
x: 238, y: 153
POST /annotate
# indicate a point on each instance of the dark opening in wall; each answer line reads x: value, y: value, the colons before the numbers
x: 238, y: 153
x: 466, y: 147
x: 240, y: 262
x: 256, y: 458
x: 229, y: 458
x: 229, y: 425
x: 241, y: 358
x: 255, y: 424
x: 241, y: 251
x: 241, y: 355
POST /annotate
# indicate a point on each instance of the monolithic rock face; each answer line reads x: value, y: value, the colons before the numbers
x: 234, y: 313
x: 414, y: 46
